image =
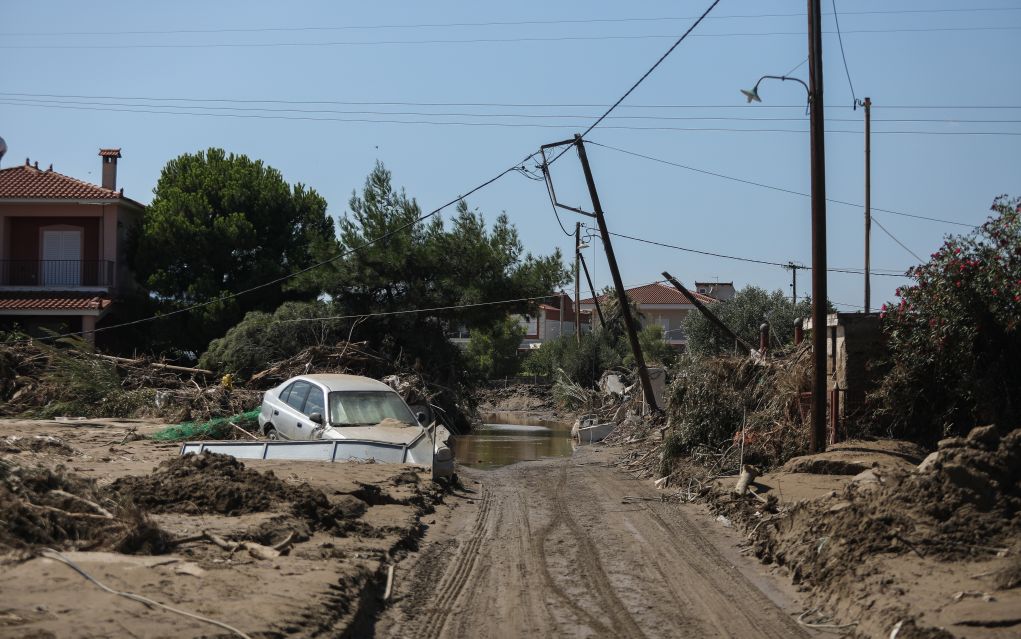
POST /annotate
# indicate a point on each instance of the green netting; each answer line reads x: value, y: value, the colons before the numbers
x: 216, y: 428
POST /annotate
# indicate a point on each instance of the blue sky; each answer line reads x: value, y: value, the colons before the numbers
x: 928, y: 56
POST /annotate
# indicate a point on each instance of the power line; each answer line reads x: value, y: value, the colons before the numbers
x: 156, y: 103
x: 840, y: 39
x: 491, y: 104
x: 894, y: 238
x: 746, y: 259
x: 482, y: 24
x: 771, y: 187
x: 354, y: 43
x: 652, y: 68
x: 414, y: 310
x: 294, y: 274
x: 618, y: 127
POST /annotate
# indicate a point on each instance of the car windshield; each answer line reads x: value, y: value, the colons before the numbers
x: 367, y: 408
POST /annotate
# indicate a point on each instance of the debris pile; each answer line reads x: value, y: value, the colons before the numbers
x: 56, y: 508
x: 356, y: 358
x: 219, y: 484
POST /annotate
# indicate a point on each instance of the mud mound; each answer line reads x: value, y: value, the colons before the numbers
x: 220, y: 484
x: 203, y: 484
x: 44, y: 507
x: 36, y: 444
x: 963, y: 501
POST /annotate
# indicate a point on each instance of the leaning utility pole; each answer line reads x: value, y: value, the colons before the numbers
x: 592, y: 289
x: 625, y: 306
x: 817, y: 439
x: 577, y: 285
x: 868, y: 197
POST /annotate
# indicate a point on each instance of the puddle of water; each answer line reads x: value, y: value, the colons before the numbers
x: 495, y: 445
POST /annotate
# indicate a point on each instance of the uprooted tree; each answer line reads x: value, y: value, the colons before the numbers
x: 220, y: 224
x: 955, y: 335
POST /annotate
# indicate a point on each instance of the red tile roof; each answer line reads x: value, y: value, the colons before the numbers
x: 110, y: 153
x: 31, y: 182
x: 657, y: 293
x: 52, y: 302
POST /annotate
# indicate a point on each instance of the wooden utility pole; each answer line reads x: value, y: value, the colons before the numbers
x: 793, y: 268
x: 577, y: 284
x: 868, y: 199
x: 709, y: 315
x: 817, y: 439
x: 625, y: 306
x: 592, y: 289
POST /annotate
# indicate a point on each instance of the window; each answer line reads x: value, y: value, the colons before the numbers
x: 299, y: 391
x: 315, y: 403
x: 284, y: 393
x: 368, y: 408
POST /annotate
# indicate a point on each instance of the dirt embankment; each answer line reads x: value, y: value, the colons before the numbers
x: 528, y: 399
x: 269, y: 548
x: 883, y: 544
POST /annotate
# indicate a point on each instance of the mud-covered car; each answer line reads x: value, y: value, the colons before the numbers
x: 363, y: 411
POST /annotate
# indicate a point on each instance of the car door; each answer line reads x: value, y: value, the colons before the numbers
x: 292, y: 421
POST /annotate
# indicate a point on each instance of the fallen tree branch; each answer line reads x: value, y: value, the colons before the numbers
x: 91, y: 504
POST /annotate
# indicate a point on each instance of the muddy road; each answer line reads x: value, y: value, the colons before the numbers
x: 570, y: 547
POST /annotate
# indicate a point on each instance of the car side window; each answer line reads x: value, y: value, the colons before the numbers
x: 299, y: 391
x: 284, y: 393
x: 315, y: 402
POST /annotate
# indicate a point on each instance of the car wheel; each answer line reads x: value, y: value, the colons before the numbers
x: 271, y: 433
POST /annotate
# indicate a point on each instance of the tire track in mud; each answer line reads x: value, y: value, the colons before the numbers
x: 698, y: 578
x: 623, y: 624
x: 455, y: 578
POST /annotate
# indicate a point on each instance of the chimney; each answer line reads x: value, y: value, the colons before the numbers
x: 110, y: 167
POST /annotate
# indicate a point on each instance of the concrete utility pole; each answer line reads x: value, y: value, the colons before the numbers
x: 817, y: 440
x: 868, y: 198
x: 577, y: 284
x: 625, y: 306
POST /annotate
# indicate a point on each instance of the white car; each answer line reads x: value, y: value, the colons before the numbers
x: 366, y: 412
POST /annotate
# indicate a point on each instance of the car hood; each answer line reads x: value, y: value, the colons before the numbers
x: 391, y: 432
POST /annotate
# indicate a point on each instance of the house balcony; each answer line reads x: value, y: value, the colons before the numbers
x: 57, y: 275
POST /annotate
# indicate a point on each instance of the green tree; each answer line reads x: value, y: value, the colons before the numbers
x: 395, y: 263
x: 493, y: 352
x: 744, y: 315
x: 954, y: 335
x: 221, y: 224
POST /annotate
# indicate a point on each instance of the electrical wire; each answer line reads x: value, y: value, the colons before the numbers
x: 354, y: 43
x: 414, y: 310
x: 293, y: 274
x: 840, y: 39
x: 731, y: 118
x: 894, y: 238
x: 771, y: 187
x: 489, y: 104
x: 748, y: 259
x: 477, y: 24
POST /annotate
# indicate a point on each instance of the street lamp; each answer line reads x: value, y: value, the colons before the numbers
x: 814, y: 108
x: 753, y: 95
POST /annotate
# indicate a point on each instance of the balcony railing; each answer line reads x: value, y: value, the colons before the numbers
x: 57, y: 273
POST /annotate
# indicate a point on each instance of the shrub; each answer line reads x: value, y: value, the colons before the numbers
x: 954, y: 341
x: 493, y: 352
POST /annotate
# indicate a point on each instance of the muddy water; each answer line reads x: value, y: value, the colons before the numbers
x: 493, y: 445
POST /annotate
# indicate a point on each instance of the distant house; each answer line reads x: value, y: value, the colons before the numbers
x: 545, y: 324
x: 723, y: 291
x: 62, y: 246
x: 548, y: 323
x: 660, y: 305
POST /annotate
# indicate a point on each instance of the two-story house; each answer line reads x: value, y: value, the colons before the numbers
x: 660, y: 305
x: 62, y: 246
